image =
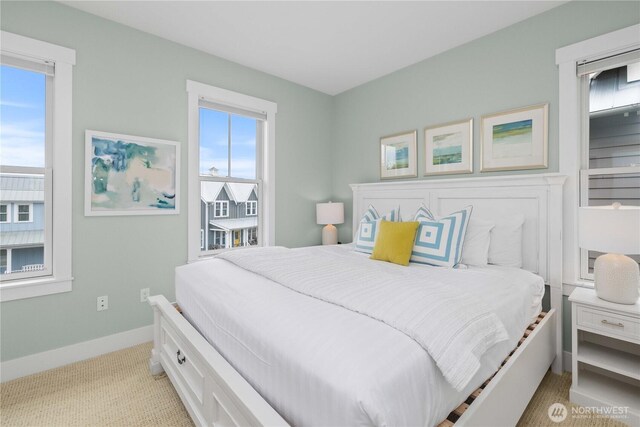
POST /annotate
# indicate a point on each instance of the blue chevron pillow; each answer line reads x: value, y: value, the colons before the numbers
x: 439, y: 241
x: 368, y: 229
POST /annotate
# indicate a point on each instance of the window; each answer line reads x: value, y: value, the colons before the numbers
x: 573, y: 122
x: 24, y: 212
x: 252, y: 236
x: 219, y: 240
x: 221, y: 209
x: 231, y: 146
x: 611, y: 137
x: 35, y: 156
x: 201, y: 239
x: 252, y: 208
x: 4, y: 261
x: 4, y: 213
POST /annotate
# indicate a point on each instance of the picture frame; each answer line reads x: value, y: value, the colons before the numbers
x: 130, y: 175
x: 398, y: 155
x: 515, y: 139
x: 448, y: 148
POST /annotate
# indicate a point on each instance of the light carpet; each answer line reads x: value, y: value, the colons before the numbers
x: 116, y: 389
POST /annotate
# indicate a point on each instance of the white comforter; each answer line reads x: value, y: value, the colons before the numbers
x: 320, y: 364
x: 398, y: 296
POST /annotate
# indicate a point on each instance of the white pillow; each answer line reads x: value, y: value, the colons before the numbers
x: 476, y: 242
x: 505, y: 247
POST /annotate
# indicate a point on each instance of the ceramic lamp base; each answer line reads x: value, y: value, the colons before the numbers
x: 617, y: 278
x: 329, y: 235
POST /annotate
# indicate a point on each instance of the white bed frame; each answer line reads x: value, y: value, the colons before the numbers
x: 215, y: 394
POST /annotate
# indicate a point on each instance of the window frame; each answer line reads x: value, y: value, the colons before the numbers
x: 571, y: 131
x: 58, y: 170
x: 224, y: 207
x: 251, y: 211
x: 265, y: 160
x: 7, y: 213
x: 17, y: 212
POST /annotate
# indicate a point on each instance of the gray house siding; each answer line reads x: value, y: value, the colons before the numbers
x: 221, y: 197
x: 37, y: 216
x: 26, y: 256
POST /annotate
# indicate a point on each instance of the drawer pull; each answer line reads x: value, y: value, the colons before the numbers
x: 180, y: 360
x: 606, y: 322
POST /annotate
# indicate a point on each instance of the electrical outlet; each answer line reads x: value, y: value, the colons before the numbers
x: 144, y: 294
x: 103, y: 303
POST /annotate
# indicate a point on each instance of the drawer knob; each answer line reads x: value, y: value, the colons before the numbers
x: 182, y: 359
x: 606, y: 322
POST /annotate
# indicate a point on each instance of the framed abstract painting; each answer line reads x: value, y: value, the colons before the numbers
x: 398, y: 155
x: 449, y: 148
x: 515, y: 139
x: 130, y: 175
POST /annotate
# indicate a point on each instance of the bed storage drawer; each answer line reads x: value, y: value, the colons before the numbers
x: 184, y: 365
x: 615, y: 324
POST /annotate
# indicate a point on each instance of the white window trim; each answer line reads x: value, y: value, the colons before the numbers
x: 17, y: 212
x: 195, y: 91
x: 61, y: 278
x: 570, y: 131
x: 251, y: 209
x: 8, y: 211
x: 224, y: 207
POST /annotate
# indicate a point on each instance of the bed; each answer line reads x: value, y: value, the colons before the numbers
x: 249, y: 351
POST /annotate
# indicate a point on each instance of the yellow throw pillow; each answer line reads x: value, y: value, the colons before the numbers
x: 395, y: 242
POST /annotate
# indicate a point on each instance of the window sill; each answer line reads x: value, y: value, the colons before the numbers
x: 30, y: 288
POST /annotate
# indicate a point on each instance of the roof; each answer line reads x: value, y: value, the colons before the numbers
x: 21, y: 238
x: 209, y: 190
x: 235, y: 223
x: 239, y: 192
x: 21, y: 188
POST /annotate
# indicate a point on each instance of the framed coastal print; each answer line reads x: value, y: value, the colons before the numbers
x: 515, y: 139
x: 398, y: 157
x: 130, y: 175
x: 449, y: 148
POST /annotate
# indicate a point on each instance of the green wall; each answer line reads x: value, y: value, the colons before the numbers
x: 511, y: 68
x: 129, y: 82
x: 126, y: 81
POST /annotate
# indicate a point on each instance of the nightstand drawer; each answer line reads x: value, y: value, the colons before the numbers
x: 609, y: 323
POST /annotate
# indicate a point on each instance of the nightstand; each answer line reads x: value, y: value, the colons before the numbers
x: 606, y: 354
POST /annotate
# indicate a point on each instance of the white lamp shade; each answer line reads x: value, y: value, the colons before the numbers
x: 330, y: 213
x: 610, y: 229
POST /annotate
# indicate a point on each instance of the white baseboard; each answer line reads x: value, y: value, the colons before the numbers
x: 34, y: 363
x: 566, y: 361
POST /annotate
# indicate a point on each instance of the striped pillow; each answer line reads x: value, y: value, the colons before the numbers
x: 423, y: 212
x: 369, y: 226
x: 439, y: 241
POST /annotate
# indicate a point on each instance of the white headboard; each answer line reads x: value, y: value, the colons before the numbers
x: 538, y: 197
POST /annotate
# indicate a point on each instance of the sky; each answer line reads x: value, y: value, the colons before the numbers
x: 22, y: 129
x: 214, y: 145
x: 22, y: 117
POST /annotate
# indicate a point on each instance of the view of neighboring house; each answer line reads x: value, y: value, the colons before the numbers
x: 229, y: 216
x: 21, y: 223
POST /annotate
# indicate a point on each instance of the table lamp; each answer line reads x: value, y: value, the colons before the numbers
x: 614, y: 230
x: 329, y: 214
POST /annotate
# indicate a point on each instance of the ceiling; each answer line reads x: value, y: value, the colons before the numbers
x: 327, y: 46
